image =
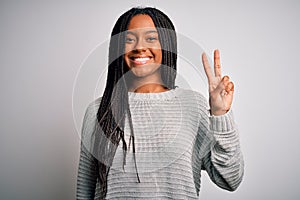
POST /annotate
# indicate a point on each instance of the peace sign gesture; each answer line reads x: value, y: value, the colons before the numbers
x: 220, y: 88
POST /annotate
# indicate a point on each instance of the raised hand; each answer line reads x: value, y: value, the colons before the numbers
x: 220, y: 88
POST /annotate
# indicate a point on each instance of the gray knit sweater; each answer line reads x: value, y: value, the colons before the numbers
x: 175, y: 138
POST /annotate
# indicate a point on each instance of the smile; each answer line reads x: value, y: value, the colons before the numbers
x: 140, y: 60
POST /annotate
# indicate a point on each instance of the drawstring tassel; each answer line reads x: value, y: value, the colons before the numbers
x: 131, y: 139
x: 133, y: 145
x: 124, y: 150
x: 134, y: 158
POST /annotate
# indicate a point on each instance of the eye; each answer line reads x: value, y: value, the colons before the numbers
x: 152, y: 39
x: 129, y: 40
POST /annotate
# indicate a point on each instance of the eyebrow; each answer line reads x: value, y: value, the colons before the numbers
x: 147, y: 32
x: 151, y: 31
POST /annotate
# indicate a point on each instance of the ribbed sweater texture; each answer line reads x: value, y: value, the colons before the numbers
x: 175, y: 138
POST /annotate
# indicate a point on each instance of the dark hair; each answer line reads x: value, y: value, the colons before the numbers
x: 114, y: 103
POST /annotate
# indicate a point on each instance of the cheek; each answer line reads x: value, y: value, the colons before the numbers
x: 158, y: 56
x: 127, y: 48
x: 126, y: 61
x: 158, y: 52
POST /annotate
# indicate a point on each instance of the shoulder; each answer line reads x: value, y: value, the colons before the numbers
x: 90, y: 118
x: 192, y: 97
x: 91, y: 110
x: 93, y: 106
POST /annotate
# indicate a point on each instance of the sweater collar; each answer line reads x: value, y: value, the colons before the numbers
x: 152, y: 96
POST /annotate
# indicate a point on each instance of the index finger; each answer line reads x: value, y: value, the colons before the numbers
x: 206, y: 66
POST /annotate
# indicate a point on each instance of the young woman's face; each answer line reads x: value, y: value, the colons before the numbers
x: 143, y: 54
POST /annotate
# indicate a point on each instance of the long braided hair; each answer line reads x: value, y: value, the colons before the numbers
x: 114, y: 103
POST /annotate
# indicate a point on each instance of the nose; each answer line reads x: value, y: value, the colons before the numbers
x: 140, y: 46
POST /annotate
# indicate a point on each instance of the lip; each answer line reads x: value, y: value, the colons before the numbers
x: 140, y: 59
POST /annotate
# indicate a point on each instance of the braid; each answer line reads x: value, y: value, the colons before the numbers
x: 114, y: 103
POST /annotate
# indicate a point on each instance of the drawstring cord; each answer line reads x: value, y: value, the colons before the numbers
x: 124, y: 149
x: 134, y: 158
x: 133, y: 146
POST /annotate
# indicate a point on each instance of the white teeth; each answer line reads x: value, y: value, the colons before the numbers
x: 142, y: 59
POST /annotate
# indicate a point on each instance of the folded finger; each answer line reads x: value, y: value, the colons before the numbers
x: 230, y: 87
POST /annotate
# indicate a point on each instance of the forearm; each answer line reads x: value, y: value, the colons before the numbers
x: 224, y: 163
x: 87, y: 175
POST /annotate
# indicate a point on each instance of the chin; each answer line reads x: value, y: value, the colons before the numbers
x: 146, y: 70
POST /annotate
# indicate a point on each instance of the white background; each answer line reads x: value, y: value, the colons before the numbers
x: 44, y: 43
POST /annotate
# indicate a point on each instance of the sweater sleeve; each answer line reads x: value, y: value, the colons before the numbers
x: 88, y: 165
x: 224, y: 162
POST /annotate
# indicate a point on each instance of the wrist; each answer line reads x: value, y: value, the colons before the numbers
x: 222, y: 123
x: 218, y: 112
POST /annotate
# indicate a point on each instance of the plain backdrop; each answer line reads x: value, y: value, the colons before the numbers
x: 45, y: 47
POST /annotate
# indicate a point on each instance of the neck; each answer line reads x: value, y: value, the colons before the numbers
x: 148, y: 84
x: 150, y: 88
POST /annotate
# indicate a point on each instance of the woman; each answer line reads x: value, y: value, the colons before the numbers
x: 147, y: 138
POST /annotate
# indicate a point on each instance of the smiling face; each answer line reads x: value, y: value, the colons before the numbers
x: 143, y: 54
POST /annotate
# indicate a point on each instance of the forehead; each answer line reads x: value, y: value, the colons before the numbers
x: 141, y: 22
